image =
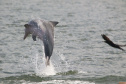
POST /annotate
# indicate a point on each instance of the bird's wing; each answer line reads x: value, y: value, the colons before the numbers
x: 122, y: 45
x: 105, y: 38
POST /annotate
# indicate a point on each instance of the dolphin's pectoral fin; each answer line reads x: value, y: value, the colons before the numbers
x: 34, y: 37
x: 54, y: 23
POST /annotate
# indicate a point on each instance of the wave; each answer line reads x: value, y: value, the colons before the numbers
x: 39, y: 78
x: 110, y: 79
x: 71, y: 72
x: 63, y: 77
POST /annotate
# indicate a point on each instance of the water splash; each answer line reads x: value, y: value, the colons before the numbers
x: 38, y: 61
x: 42, y: 69
x: 58, y: 62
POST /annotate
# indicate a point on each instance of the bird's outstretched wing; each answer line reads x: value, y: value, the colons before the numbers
x: 105, y: 38
x: 122, y: 45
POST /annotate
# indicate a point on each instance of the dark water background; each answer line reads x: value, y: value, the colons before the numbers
x: 80, y: 56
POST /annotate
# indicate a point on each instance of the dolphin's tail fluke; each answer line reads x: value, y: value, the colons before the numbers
x: 47, y: 61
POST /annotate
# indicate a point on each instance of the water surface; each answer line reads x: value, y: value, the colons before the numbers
x: 80, y: 56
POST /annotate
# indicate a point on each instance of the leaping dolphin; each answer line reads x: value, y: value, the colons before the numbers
x: 44, y: 30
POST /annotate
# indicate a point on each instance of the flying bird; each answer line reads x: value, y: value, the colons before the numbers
x: 44, y: 30
x: 109, y: 42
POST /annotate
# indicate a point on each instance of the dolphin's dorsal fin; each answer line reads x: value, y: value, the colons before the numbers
x: 27, y: 25
x: 54, y: 23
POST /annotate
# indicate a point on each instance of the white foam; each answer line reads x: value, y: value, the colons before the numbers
x: 66, y: 82
x: 42, y: 69
x: 45, y: 70
x: 49, y: 70
x: 38, y: 61
x: 82, y: 72
x: 62, y: 82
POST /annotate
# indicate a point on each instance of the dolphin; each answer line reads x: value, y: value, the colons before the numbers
x: 44, y: 30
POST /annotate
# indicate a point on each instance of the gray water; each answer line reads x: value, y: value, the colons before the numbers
x: 80, y: 56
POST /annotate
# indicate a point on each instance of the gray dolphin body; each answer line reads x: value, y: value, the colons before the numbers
x: 44, y: 30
